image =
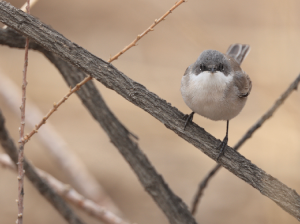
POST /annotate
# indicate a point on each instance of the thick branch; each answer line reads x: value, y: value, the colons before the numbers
x: 59, y: 204
x: 134, y: 92
x: 293, y: 86
x: 172, y: 206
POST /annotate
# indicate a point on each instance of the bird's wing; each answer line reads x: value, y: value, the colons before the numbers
x: 187, y: 70
x: 238, y: 52
x: 243, y: 83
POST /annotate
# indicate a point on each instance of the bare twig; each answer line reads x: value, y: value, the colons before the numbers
x: 21, y: 148
x: 293, y: 86
x: 58, y: 203
x: 70, y: 163
x: 88, y: 78
x: 151, y: 28
x: 70, y: 194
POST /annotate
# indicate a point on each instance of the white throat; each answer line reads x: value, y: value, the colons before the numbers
x: 210, y: 81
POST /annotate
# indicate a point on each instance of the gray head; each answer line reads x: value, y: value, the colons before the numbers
x: 212, y: 61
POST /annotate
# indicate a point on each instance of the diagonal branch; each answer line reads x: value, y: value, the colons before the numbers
x: 134, y: 92
x: 293, y: 86
x: 58, y: 203
x: 176, y: 211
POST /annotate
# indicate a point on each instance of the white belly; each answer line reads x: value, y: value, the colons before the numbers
x: 205, y: 95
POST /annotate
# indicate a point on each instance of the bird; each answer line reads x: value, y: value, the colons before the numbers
x: 216, y: 87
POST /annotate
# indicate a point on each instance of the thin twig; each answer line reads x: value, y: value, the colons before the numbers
x: 70, y: 194
x: 293, y: 86
x: 68, y: 161
x: 58, y: 203
x: 151, y: 28
x: 21, y: 148
x: 88, y: 78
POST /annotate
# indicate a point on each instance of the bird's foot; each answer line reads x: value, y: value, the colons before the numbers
x: 188, y: 118
x: 222, y: 147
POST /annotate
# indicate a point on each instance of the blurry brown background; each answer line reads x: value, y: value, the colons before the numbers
x: 271, y: 27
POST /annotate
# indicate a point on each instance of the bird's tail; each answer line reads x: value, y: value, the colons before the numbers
x: 238, y: 52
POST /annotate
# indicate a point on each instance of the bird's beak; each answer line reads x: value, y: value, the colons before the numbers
x: 212, y: 69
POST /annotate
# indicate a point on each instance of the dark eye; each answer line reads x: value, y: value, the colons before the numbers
x: 221, y: 67
x: 202, y: 67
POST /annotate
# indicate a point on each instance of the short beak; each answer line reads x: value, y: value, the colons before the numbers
x: 212, y: 69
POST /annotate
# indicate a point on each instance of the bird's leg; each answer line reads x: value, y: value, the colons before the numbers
x: 224, y: 143
x: 188, y: 119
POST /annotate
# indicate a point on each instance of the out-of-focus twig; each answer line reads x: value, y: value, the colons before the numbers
x: 6, y: 162
x: 70, y: 163
x: 70, y: 195
x: 88, y: 78
x: 21, y: 130
x: 293, y: 86
x: 58, y: 203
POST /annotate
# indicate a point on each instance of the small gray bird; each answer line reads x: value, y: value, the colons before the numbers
x: 216, y: 87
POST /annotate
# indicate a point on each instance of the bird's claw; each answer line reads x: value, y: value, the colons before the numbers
x: 188, y: 118
x: 222, y: 147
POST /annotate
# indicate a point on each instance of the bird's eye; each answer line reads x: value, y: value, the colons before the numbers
x: 202, y: 67
x: 221, y: 67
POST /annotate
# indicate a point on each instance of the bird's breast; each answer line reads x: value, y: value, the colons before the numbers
x: 205, y: 94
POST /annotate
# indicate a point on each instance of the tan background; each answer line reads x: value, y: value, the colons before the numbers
x: 158, y: 62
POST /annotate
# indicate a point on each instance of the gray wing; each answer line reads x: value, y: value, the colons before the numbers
x: 238, y: 52
x: 187, y: 70
x: 243, y: 83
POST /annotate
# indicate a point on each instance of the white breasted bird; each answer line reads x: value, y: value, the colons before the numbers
x: 216, y: 87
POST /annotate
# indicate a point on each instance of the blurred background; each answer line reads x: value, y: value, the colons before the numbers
x: 102, y: 27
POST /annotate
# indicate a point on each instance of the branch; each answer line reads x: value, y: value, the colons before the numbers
x: 58, y: 203
x: 70, y: 195
x: 134, y: 92
x: 67, y: 160
x: 293, y: 86
x: 174, y: 208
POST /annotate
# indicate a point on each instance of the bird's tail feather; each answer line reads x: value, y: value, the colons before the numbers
x: 238, y: 52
